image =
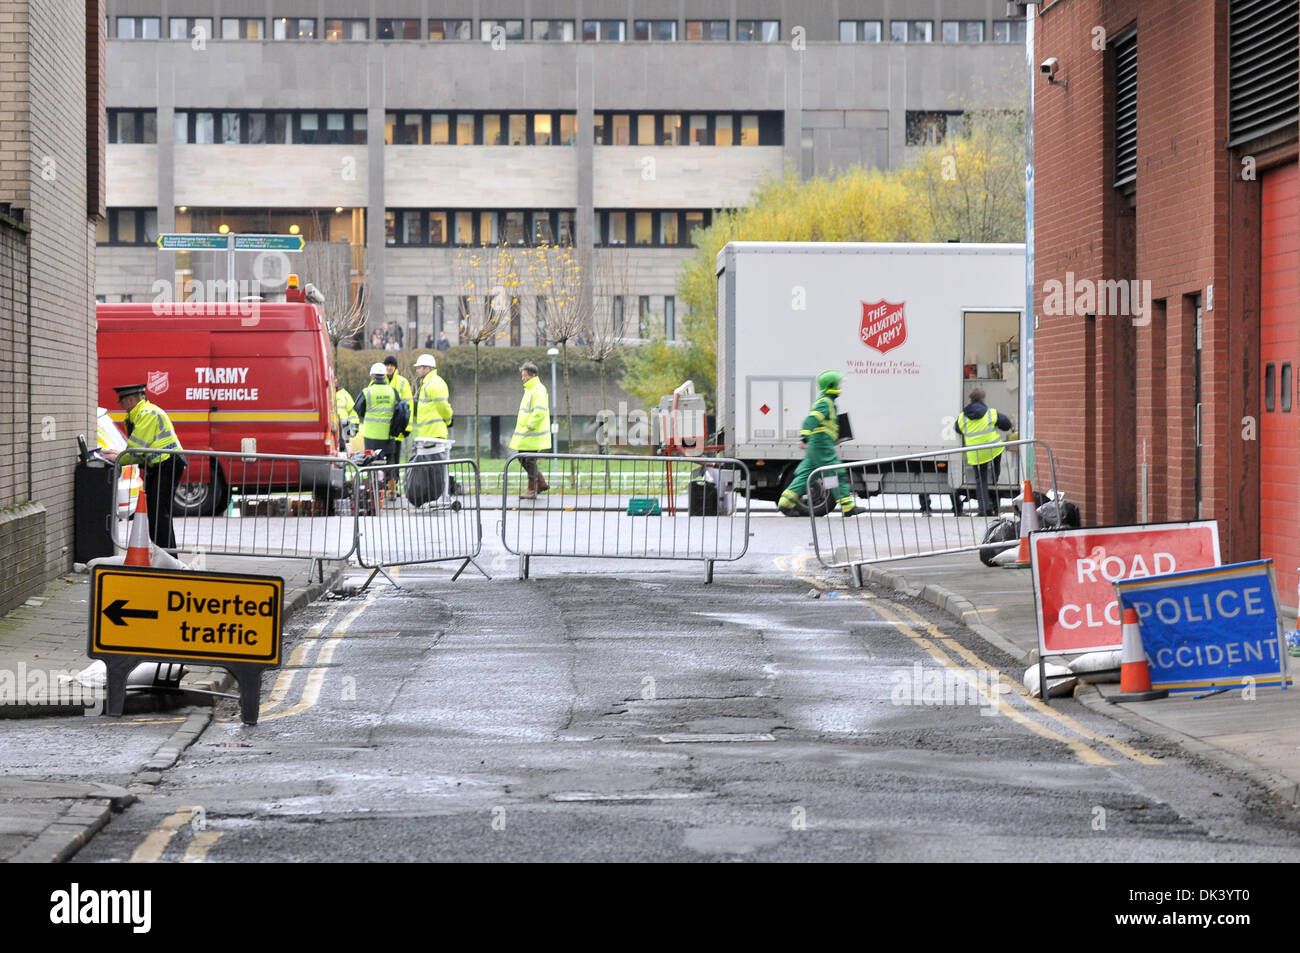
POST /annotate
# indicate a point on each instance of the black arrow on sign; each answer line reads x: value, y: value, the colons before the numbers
x: 117, y: 612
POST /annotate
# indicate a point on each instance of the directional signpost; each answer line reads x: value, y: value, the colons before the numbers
x: 155, y: 615
x: 230, y: 243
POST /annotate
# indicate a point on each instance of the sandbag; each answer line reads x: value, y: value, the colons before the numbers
x: 1005, y: 533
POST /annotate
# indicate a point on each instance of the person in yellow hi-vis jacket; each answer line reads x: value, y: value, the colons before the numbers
x: 533, y: 428
x: 149, y: 428
x: 402, y: 388
x: 979, y: 424
x: 349, y: 422
x: 820, y: 430
x: 431, y: 412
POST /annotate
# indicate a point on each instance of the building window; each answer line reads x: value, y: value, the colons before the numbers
x: 661, y: 30
x: 519, y: 227
x: 539, y: 320
x: 708, y: 30
x: 139, y: 28
x: 911, y: 31
x: 397, y: 29
x: 293, y: 28
x: 669, y: 129
x: 759, y: 31
x: 190, y: 28
x: 643, y: 316
x: 351, y: 28
x: 667, y: 228
x: 439, y: 129
x: 242, y: 28
x: 553, y: 30
x: 439, y: 320
x: 128, y: 226
x: 508, y: 29
x: 670, y: 317
x: 450, y: 30
x: 609, y: 30
x: 616, y: 315
x: 962, y: 31
x: 930, y: 128
x: 860, y: 31
x: 1009, y: 31
x: 132, y: 126
x: 260, y: 128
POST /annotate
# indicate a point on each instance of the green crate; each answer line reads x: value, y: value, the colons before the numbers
x: 643, y: 506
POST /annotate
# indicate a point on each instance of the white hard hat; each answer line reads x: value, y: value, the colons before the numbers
x: 426, y: 360
x: 378, y: 369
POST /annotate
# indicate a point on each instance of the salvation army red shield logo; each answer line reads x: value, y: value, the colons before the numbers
x: 884, y: 326
x: 157, y: 382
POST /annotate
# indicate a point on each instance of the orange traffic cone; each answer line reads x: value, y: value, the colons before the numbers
x: 1134, y: 675
x: 1028, y: 522
x: 137, y: 546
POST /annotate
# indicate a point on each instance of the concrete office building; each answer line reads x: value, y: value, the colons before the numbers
x: 413, y: 129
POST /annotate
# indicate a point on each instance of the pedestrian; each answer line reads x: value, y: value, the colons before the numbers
x: 402, y: 387
x: 431, y: 409
x: 820, y: 430
x: 377, y: 340
x: 443, y: 343
x: 979, y: 424
x: 376, y: 408
x: 348, y: 423
x: 532, y: 429
x: 148, y: 428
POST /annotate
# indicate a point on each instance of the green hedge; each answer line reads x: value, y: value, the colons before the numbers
x: 354, y: 366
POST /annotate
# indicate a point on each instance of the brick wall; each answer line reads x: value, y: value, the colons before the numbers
x: 1182, y: 239
x: 43, y: 174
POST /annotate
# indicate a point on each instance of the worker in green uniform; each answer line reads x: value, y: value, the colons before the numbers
x: 820, y: 430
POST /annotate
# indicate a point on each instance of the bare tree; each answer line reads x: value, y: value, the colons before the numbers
x: 612, y: 275
x: 337, y: 270
x: 487, y: 279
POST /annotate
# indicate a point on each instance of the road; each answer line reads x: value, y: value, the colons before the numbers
x: 622, y: 710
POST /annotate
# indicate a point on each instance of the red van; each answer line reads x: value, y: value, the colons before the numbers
x: 250, y: 377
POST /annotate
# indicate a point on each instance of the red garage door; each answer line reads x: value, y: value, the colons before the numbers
x: 1279, y: 431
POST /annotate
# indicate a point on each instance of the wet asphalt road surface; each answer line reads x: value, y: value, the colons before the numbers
x: 626, y: 711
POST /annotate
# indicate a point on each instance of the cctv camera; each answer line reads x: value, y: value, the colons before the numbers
x: 1048, y: 68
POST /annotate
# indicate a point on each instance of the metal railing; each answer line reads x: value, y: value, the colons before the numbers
x: 423, y: 511
x: 318, y: 508
x: 901, y: 518
x: 255, y: 504
x: 626, y: 507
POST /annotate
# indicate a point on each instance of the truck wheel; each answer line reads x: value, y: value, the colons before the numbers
x: 202, y: 499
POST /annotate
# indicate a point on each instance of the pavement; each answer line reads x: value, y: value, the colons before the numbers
x: 47, y: 819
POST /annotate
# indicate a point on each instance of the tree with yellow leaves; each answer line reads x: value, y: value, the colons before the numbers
x: 487, y: 279
x: 969, y: 188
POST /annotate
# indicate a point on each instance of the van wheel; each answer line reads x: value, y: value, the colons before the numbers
x: 202, y: 499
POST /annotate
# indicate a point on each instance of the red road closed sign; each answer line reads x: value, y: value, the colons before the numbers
x: 1074, y: 570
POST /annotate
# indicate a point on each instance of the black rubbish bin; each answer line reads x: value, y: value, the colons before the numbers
x: 94, y: 503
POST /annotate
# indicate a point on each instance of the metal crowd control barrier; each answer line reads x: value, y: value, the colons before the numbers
x: 898, y: 491
x: 628, y: 507
x: 256, y: 504
x: 423, y: 511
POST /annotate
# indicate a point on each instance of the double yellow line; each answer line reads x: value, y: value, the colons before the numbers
x: 157, y: 840
x: 1051, y: 724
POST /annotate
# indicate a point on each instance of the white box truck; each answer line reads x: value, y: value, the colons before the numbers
x: 913, y: 327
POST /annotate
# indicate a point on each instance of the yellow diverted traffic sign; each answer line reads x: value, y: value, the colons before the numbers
x: 212, y: 616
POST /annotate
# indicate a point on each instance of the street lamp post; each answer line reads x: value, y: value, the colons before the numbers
x: 553, y: 353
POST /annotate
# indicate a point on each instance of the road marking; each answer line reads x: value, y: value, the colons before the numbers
x: 135, y: 723
x: 316, y: 676
x: 203, y: 842
x: 156, y: 841
x: 797, y: 565
x: 284, y: 680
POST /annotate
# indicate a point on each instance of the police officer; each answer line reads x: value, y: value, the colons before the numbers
x: 431, y: 413
x: 148, y: 428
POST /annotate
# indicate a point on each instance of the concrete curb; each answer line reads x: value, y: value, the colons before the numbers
x: 61, y: 840
x: 960, y: 608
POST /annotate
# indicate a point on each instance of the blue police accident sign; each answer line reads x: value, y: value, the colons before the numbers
x: 1210, y: 627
